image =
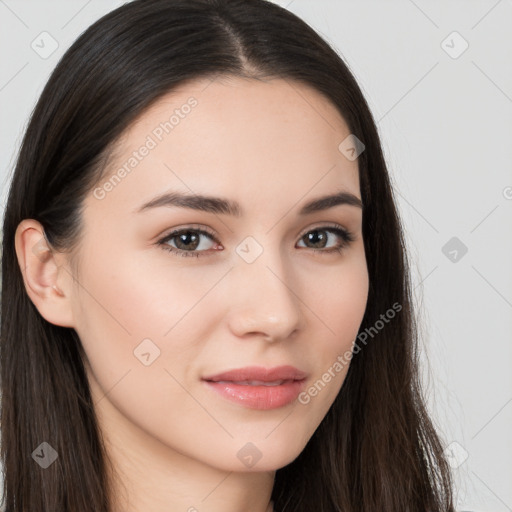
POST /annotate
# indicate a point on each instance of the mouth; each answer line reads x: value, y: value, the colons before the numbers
x: 258, y: 387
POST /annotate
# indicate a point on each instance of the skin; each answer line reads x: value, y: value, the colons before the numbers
x: 174, y: 442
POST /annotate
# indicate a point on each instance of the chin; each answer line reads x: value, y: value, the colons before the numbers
x: 268, y: 456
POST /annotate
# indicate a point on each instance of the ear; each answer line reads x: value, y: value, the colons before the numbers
x: 47, y: 281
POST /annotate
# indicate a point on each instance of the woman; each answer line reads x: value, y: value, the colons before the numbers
x: 276, y: 369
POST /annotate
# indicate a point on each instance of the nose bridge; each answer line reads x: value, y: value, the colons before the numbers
x: 265, y: 299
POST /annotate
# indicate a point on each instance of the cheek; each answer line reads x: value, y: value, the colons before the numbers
x: 132, y: 296
x: 127, y: 308
x: 125, y: 312
x: 340, y: 307
x: 339, y: 301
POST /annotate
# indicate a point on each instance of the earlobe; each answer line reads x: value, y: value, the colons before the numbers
x: 41, y: 270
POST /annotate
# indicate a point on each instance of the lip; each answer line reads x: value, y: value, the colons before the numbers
x: 259, y: 396
x: 285, y: 372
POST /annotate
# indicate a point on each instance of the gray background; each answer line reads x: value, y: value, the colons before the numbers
x: 444, y: 117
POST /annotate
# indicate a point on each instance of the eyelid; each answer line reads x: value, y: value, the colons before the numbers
x: 210, y: 232
x: 189, y: 227
x: 323, y: 225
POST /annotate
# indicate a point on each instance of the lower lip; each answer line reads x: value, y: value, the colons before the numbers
x: 259, y: 397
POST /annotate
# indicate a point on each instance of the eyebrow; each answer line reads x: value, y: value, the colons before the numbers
x: 220, y: 205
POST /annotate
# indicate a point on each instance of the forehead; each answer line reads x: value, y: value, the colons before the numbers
x: 233, y: 136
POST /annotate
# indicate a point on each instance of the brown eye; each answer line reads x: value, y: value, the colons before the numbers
x: 319, y: 238
x: 186, y: 241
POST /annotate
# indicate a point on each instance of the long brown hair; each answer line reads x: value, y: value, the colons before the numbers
x: 377, y: 448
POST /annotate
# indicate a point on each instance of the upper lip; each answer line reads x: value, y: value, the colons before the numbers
x: 259, y: 373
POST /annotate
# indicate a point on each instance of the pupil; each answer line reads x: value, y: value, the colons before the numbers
x: 183, y: 239
x: 312, y: 235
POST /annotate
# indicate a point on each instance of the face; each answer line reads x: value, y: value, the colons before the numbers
x: 170, y: 294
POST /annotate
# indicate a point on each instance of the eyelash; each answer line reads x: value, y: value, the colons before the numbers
x: 346, y: 236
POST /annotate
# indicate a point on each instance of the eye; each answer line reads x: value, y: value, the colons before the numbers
x: 188, y: 240
x: 343, y: 234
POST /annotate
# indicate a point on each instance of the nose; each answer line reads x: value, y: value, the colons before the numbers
x: 264, y: 300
